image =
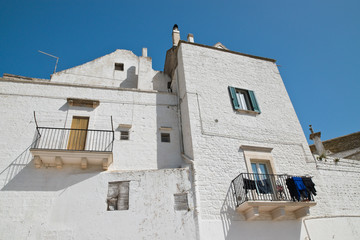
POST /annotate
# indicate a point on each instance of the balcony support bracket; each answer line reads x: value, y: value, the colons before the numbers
x: 302, y: 212
x: 58, y: 162
x: 105, y: 163
x: 278, y: 213
x: 252, y: 213
x: 37, y: 161
x: 84, y: 163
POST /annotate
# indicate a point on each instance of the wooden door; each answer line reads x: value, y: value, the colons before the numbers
x: 78, y: 132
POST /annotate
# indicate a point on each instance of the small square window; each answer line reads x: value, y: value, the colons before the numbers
x: 124, y: 135
x: 165, y: 137
x: 119, y: 66
x: 243, y: 99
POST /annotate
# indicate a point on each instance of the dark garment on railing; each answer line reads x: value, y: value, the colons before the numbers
x: 249, y: 184
x: 264, y: 186
x: 273, y: 187
x: 309, y: 185
x: 292, y: 189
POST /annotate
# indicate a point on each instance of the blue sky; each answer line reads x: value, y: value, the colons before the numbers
x: 316, y: 43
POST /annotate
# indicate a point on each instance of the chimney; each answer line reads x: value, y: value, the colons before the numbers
x: 175, y: 35
x: 317, y: 141
x: 144, y: 52
x: 190, y: 37
x: 145, y: 71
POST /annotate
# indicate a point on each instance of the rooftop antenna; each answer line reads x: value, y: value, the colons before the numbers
x: 57, y: 59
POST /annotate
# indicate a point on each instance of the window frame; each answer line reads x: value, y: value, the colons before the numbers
x: 248, y: 97
x: 259, y: 155
x: 262, y: 155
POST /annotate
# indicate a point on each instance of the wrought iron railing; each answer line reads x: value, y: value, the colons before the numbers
x: 268, y: 187
x: 74, y: 139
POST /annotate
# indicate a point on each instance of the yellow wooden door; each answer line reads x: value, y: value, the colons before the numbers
x: 78, y: 132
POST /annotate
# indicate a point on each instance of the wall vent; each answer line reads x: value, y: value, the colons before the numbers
x: 181, y: 201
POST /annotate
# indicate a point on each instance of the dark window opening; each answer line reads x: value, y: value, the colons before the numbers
x: 124, y: 135
x: 169, y: 87
x: 165, y: 137
x: 119, y: 66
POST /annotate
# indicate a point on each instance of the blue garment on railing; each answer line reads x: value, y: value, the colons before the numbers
x: 301, y: 188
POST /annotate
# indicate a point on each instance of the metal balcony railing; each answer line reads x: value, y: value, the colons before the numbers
x: 269, y: 187
x: 74, y: 139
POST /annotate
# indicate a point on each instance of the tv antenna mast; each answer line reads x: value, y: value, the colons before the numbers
x: 57, y: 59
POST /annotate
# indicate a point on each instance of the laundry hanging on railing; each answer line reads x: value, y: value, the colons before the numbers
x: 299, y: 188
x: 263, y: 186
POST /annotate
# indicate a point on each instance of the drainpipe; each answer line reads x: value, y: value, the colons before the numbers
x: 196, y: 193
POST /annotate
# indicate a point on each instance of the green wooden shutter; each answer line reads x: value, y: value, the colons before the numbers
x: 253, y: 101
x: 234, y: 98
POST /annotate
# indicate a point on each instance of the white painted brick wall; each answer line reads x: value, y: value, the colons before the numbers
x: 206, y: 75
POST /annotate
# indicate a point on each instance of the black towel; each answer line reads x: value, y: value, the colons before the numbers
x: 310, y: 186
x: 249, y: 184
x: 292, y: 189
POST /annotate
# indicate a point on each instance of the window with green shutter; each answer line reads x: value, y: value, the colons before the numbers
x: 243, y: 99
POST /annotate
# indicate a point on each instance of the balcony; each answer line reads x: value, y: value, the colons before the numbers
x: 58, y: 146
x: 271, y: 197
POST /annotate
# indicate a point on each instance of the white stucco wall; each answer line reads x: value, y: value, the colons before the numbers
x: 145, y: 111
x: 137, y: 73
x: 71, y: 204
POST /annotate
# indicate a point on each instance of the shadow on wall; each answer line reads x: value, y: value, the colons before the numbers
x: 21, y: 175
x: 160, y: 82
x: 235, y: 225
x: 228, y: 211
x: 16, y: 166
x: 131, y: 80
x: 66, y: 107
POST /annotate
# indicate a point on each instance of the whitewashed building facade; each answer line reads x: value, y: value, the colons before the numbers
x: 113, y: 149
